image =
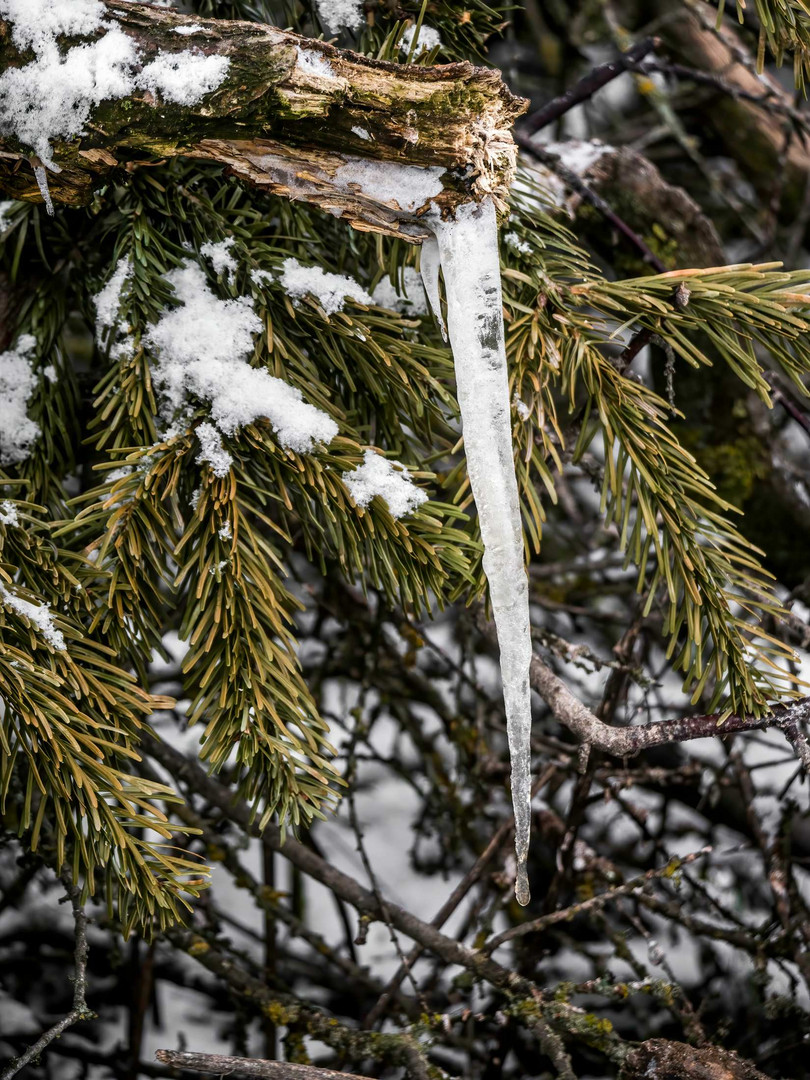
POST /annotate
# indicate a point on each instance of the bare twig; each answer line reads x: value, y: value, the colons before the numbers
x: 80, y: 1011
x: 453, y: 900
x: 587, y: 86
x: 231, y: 1066
x: 594, y: 903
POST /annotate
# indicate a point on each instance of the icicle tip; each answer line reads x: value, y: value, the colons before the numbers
x: 522, y: 892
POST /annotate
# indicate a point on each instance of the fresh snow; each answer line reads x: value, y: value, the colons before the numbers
x: 38, y: 614
x: 183, y: 78
x: 512, y: 240
x: 203, y: 347
x: 17, y: 383
x: 468, y: 248
x: 35, y: 23
x: 361, y: 133
x: 409, y: 186
x: 388, y: 479
x: 428, y: 39
x: 330, y: 290
x: 336, y: 14
x: 410, y: 300
x: 108, y: 300
x: 8, y: 513
x: 315, y: 64
x: 6, y: 206
x: 222, y: 259
x: 191, y: 28
x: 52, y: 97
x: 212, y: 451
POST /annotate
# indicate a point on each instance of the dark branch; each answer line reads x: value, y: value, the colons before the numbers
x: 587, y: 86
x: 80, y: 1010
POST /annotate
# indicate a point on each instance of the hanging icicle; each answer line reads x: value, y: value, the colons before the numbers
x: 468, y: 252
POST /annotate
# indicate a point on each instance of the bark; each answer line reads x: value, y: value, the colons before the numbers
x: 665, y: 216
x: 659, y: 1059
x: 283, y: 127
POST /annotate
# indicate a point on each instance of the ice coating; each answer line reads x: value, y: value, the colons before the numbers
x: 430, y: 264
x: 468, y: 249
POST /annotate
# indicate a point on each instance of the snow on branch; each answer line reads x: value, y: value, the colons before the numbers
x: 372, y: 141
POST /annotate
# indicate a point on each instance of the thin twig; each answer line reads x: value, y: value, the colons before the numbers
x: 577, y: 184
x: 80, y: 1011
x: 535, y: 926
x: 452, y: 902
x: 587, y: 86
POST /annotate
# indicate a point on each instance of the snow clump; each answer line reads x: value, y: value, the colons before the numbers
x: 203, y: 347
x: 388, y: 479
x: 52, y: 96
x: 330, y: 290
x: 428, y: 39
x: 38, y: 614
x: 222, y: 259
x: 17, y: 382
x: 335, y: 14
x: 8, y: 513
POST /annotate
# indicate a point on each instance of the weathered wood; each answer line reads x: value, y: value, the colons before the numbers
x: 290, y: 114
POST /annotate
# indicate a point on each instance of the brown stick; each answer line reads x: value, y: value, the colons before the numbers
x: 290, y: 114
x: 230, y: 1066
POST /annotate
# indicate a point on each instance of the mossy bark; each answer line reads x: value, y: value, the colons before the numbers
x: 285, y: 125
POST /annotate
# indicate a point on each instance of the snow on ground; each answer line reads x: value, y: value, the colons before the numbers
x: 389, y: 480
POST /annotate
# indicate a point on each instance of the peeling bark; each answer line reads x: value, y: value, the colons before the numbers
x: 288, y: 127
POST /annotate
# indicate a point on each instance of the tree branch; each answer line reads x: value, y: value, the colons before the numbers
x: 80, y: 1010
x: 228, y: 1066
x: 295, y: 117
x: 587, y: 86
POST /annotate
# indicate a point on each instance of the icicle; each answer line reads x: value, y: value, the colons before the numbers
x: 44, y: 190
x: 429, y: 265
x: 468, y: 249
